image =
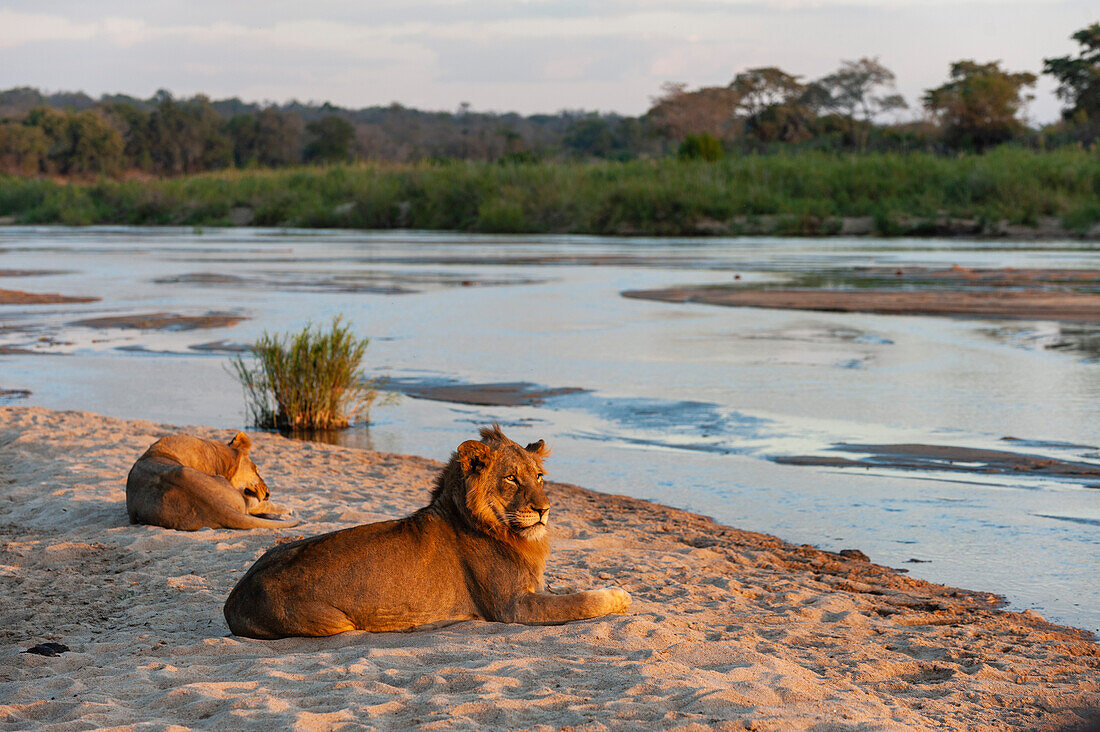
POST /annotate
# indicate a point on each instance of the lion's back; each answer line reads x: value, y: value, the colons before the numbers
x: 173, y: 481
x: 206, y: 456
x: 149, y: 484
x: 390, y: 575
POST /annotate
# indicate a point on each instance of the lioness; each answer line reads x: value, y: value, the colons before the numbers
x: 189, y: 483
x: 477, y: 550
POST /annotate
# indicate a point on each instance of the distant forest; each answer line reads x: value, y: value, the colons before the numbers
x: 761, y: 110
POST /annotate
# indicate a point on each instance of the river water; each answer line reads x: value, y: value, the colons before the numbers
x: 683, y: 404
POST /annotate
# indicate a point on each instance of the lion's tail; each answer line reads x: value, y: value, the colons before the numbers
x: 248, y: 521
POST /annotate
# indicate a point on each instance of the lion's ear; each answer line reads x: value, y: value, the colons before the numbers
x: 241, y: 443
x: 539, y: 448
x: 473, y: 456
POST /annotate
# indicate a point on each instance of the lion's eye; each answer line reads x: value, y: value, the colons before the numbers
x: 510, y: 479
x: 539, y: 478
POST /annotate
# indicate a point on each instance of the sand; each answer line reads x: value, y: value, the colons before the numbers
x: 18, y: 297
x: 1073, y: 307
x: 729, y: 629
x: 1009, y: 293
x: 164, y: 321
x: 951, y: 458
x: 507, y: 394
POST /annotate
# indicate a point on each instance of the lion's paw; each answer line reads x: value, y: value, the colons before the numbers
x: 617, y: 600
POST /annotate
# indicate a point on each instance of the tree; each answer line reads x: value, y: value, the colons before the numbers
x: 94, y: 146
x: 978, y: 106
x: 678, y: 113
x: 133, y: 124
x: 187, y: 136
x: 793, y: 122
x: 850, y: 91
x: 589, y: 137
x: 23, y: 149
x: 270, y: 138
x: 80, y: 142
x: 769, y: 100
x: 758, y: 89
x: 609, y: 137
x: 1079, y: 77
x: 331, y: 137
x: 54, y: 126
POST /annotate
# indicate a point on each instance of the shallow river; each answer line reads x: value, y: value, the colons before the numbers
x: 687, y: 405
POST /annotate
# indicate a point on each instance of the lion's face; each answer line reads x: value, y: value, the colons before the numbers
x: 519, y: 501
x: 249, y: 483
x: 246, y: 479
x: 504, y: 486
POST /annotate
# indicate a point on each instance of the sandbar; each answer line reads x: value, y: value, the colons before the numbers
x: 500, y: 394
x: 1017, y: 305
x: 948, y: 457
x: 729, y: 629
x: 18, y: 297
x: 1018, y: 294
x: 163, y: 321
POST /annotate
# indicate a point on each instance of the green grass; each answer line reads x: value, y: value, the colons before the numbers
x: 309, y: 380
x: 806, y: 193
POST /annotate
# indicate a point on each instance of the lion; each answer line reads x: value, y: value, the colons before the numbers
x: 477, y: 550
x: 189, y: 483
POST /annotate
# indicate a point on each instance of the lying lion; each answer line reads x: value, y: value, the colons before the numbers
x: 477, y: 550
x: 188, y: 483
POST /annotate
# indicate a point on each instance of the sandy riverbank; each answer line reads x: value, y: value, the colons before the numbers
x: 728, y: 628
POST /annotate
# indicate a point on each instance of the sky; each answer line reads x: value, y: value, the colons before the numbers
x: 525, y: 56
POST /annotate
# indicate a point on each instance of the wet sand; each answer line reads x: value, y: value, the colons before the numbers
x: 221, y: 347
x: 368, y: 283
x: 30, y: 272
x: 510, y: 394
x: 164, y: 321
x: 1004, y: 277
x: 948, y: 457
x: 18, y: 297
x: 729, y: 629
x: 7, y: 396
x: 1063, y: 306
x: 1032, y: 294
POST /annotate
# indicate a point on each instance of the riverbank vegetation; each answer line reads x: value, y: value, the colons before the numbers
x: 807, y: 193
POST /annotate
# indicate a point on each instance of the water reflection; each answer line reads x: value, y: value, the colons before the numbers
x: 356, y: 436
x: 1077, y: 339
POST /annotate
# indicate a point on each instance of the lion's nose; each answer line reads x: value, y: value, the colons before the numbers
x: 543, y: 513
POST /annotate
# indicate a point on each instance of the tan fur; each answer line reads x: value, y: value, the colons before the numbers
x: 189, y: 483
x: 476, y: 551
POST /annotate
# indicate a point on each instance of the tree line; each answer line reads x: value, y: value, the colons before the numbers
x: 761, y: 110
x: 978, y: 107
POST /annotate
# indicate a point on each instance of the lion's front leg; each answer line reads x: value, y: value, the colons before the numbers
x: 538, y: 608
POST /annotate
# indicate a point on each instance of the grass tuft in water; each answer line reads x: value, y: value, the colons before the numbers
x: 308, y: 380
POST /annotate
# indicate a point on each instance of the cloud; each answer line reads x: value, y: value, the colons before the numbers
x: 539, y: 55
x: 18, y: 29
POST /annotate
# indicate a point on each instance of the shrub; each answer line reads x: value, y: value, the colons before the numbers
x: 308, y: 380
x: 701, y: 147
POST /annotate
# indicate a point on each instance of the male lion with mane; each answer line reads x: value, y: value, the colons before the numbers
x: 477, y: 550
x: 190, y: 483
